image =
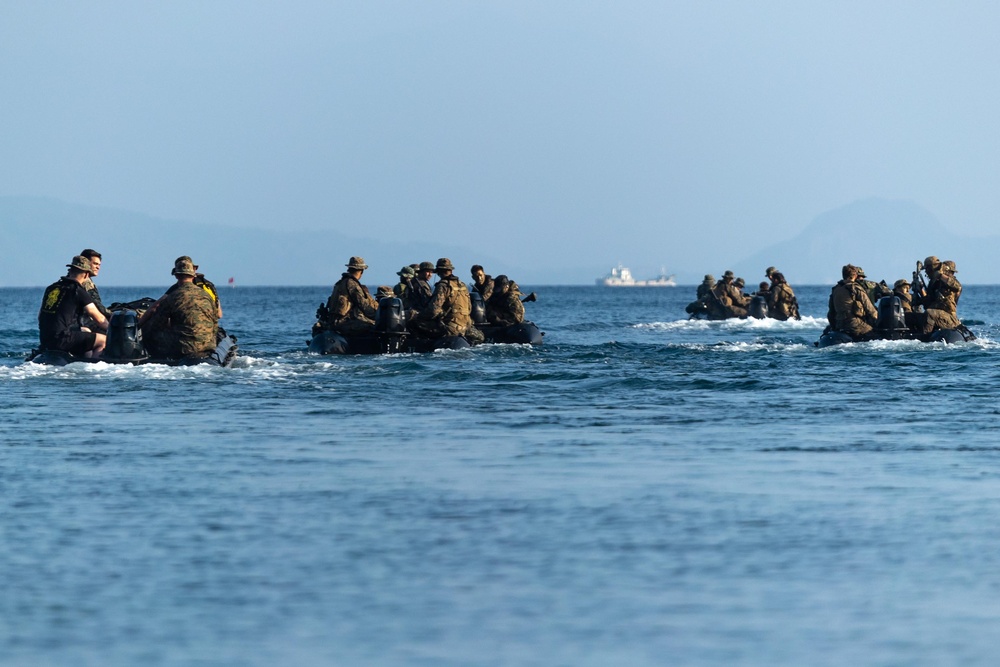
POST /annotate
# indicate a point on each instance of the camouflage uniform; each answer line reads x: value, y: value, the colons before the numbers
x: 420, y: 293
x: 449, y: 312
x: 941, y: 304
x: 729, y: 300
x: 901, y: 289
x: 351, y: 307
x: 781, y: 301
x: 485, y: 288
x: 504, y: 306
x: 400, y: 291
x: 184, y: 324
x: 705, y: 288
x: 851, y: 311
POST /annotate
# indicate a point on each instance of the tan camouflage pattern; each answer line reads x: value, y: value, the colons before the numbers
x: 941, y: 305
x: 351, y: 304
x: 729, y: 300
x: 184, y: 323
x: 505, y: 308
x: 450, y: 306
x: 781, y: 302
x: 851, y: 311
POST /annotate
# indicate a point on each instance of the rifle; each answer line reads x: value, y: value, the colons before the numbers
x: 531, y: 297
x: 918, y: 286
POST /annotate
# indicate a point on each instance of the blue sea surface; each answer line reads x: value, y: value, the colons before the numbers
x: 640, y: 490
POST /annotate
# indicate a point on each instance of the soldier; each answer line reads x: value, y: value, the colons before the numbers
x: 184, y: 322
x: 851, y: 311
x: 504, y: 306
x: 420, y: 287
x: 941, y: 303
x: 763, y: 289
x: 481, y: 282
x: 768, y: 271
x: 63, y: 304
x: 781, y: 301
x: 351, y: 308
x: 94, y: 258
x: 740, y: 284
x: 706, y: 286
x: 201, y: 281
x: 402, y: 288
x: 728, y: 300
x: 901, y: 289
x: 449, y: 312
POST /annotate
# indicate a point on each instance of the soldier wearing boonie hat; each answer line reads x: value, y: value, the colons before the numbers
x: 184, y: 322
x: 449, y: 312
x: 351, y: 309
x: 420, y: 287
x: 63, y: 304
x: 729, y: 300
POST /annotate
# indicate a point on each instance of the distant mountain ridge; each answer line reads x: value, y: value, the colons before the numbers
x: 885, y: 237
x: 41, y: 235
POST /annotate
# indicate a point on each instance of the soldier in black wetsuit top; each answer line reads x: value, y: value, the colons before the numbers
x: 63, y: 304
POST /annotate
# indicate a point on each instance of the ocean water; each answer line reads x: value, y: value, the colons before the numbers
x: 640, y: 490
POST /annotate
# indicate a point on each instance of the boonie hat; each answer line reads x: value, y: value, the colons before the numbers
x: 950, y: 265
x: 728, y: 274
x: 426, y: 266
x: 357, y: 264
x: 709, y: 276
x: 444, y: 264
x: 899, y: 283
x: 183, y: 267
x: 384, y: 291
x: 932, y: 261
x: 80, y: 263
x: 406, y: 272
x: 769, y: 271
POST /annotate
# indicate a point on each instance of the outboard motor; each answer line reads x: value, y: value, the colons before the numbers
x: 891, y: 318
x: 390, y: 317
x: 124, y: 338
x: 478, y: 308
x: 757, y: 307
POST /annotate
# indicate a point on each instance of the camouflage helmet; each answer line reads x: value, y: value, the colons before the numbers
x: 425, y: 266
x: 709, y: 278
x: 931, y: 263
x: 444, y: 264
x: 357, y: 264
x: 406, y: 272
x: 769, y: 270
x: 728, y: 274
x: 902, y: 282
x: 80, y: 263
x: 950, y: 265
x: 183, y: 266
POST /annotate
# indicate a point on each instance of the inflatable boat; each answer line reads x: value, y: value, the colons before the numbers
x: 892, y: 325
x: 390, y: 334
x: 125, y: 346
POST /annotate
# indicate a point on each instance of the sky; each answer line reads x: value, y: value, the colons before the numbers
x: 572, y: 133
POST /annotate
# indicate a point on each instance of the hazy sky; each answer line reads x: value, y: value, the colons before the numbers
x: 572, y: 133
